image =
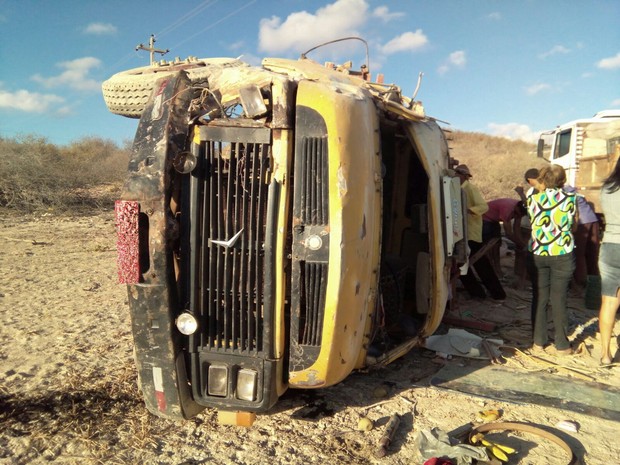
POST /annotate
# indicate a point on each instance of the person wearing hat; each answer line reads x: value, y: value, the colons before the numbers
x: 476, y: 207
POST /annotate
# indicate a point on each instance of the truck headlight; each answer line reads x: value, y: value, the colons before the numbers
x: 246, y: 384
x: 186, y: 323
x: 217, y: 384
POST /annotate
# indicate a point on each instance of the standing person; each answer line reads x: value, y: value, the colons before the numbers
x: 609, y: 261
x: 586, y: 241
x: 476, y: 207
x: 507, y: 212
x: 552, y: 214
x: 531, y: 179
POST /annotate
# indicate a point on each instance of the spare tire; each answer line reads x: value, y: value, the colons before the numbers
x: 126, y: 93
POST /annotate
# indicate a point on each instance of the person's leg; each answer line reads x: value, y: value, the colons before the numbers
x: 470, y: 282
x: 592, y: 249
x: 485, y: 267
x: 487, y: 275
x: 606, y: 321
x: 543, y: 285
x: 533, y: 275
x: 581, y: 242
x: 609, y: 265
x: 561, y: 275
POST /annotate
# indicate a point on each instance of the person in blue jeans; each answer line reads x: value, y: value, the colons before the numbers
x: 553, y: 215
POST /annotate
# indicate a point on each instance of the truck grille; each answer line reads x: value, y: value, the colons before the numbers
x: 229, y: 203
x: 310, y: 264
x: 314, y: 193
x: 314, y: 282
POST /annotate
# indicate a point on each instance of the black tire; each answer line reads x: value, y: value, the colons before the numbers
x: 126, y: 93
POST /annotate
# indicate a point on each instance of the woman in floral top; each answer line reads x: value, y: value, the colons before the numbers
x: 552, y: 213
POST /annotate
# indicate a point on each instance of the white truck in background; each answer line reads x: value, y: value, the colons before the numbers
x: 586, y: 148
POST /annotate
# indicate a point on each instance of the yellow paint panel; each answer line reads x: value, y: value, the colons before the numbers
x: 354, y: 222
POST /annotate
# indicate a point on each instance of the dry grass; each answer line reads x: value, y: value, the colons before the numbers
x: 497, y: 163
x: 88, y: 174
x: 36, y: 175
x: 87, y: 416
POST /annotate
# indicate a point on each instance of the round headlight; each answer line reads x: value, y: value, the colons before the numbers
x: 187, y: 324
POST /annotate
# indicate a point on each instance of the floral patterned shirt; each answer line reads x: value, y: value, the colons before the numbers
x: 552, y: 214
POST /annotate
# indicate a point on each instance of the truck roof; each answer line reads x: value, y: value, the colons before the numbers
x: 608, y: 114
x: 600, y: 117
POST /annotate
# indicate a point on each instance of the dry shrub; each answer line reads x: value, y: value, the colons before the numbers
x: 89, y: 173
x: 497, y: 164
x: 37, y: 175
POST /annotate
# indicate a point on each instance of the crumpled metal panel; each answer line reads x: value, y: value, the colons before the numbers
x: 161, y: 134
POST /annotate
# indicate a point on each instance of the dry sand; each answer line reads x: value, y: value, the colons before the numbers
x: 68, y: 384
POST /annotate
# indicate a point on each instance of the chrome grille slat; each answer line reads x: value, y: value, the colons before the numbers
x: 231, y: 196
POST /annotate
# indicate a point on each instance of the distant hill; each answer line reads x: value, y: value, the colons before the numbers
x: 496, y: 163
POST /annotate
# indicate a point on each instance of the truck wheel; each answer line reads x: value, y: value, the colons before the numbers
x: 126, y: 93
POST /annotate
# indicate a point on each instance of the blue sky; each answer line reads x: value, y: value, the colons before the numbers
x: 512, y: 68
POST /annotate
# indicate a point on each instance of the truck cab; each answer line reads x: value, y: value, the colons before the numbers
x: 281, y: 226
x: 586, y: 148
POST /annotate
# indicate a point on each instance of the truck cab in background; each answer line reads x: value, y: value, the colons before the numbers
x: 586, y: 148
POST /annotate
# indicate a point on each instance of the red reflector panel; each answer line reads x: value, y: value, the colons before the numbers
x: 127, y: 241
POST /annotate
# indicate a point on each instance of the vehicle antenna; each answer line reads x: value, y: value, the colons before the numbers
x: 151, y: 48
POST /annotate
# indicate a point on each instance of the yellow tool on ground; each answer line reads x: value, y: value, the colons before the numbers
x: 499, y: 451
x: 489, y: 415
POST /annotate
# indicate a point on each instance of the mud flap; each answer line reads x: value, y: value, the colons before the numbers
x: 153, y: 300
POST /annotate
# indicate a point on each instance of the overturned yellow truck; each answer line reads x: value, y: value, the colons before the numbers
x: 280, y: 227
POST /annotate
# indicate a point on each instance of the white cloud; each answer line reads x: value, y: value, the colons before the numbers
x: 100, y: 29
x: 456, y: 59
x: 383, y: 13
x: 609, y: 63
x: 408, y: 41
x: 75, y: 75
x: 556, y: 49
x: 615, y: 103
x: 29, y: 102
x: 495, y: 16
x: 536, y: 88
x: 302, y: 30
x: 514, y: 131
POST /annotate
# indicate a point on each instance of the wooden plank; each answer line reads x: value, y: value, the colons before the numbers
x: 463, y: 323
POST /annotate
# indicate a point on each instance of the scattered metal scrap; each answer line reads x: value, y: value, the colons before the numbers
x: 388, y: 435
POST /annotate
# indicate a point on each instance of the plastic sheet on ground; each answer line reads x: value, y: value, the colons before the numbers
x: 462, y: 344
x: 437, y: 443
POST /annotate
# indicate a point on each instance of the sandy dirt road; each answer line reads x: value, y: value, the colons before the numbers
x: 68, y: 384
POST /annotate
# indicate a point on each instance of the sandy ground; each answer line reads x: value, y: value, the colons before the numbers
x: 68, y: 385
